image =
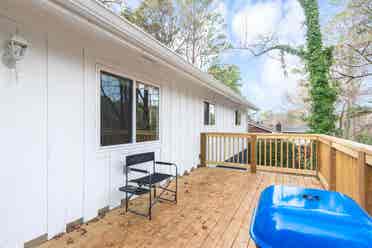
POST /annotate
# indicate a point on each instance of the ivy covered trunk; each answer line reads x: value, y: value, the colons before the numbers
x: 318, y: 62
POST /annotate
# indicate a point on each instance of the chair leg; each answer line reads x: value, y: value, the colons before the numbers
x: 176, y: 189
x: 150, y: 204
x: 126, y: 202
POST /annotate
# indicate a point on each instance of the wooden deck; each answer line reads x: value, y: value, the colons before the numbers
x: 214, y: 210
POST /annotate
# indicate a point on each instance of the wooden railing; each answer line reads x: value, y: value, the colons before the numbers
x: 340, y: 165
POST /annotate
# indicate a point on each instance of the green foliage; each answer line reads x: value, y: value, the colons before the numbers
x: 189, y: 27
x: 364, y: 138
x: 227, y: 74
x: 318, y: 61
x: 158, y: 18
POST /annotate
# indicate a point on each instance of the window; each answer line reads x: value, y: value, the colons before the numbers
x: 209, y: 114
x: 147, y: 112
x: 238, y: 118
x: 116, y: 109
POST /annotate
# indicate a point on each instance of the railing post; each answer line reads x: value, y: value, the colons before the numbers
x: 203, y: 149
x: 253, y: 154
x: 332, y: 167
x: 362, y: 173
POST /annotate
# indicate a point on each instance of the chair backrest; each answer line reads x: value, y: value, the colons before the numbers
x: 140, y: 158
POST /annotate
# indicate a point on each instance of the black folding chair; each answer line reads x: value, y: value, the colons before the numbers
x: 149, y: 180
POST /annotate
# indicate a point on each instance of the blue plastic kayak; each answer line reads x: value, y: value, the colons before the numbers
x: 297, y: 217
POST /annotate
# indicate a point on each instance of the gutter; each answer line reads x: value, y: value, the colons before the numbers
x: 98, y: 15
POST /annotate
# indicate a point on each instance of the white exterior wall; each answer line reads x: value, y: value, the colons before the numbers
x: 53, y: 170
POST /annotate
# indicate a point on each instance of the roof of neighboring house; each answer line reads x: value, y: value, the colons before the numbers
x: 296, y: 129
x: 260, y: 126
x: 99, y: 15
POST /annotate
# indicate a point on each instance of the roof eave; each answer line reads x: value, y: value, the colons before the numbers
x: 97, y: 14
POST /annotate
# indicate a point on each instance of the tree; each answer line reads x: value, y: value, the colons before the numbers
x: 318, y: 60
x: 189, y: 27
x: 227, y: 74
x: 202, y: 31
x: 351, y: 30
x: 158, y: 18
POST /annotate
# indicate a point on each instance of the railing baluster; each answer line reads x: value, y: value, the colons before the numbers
x: 265, y: 149
x: 305, y: 151
x: 287, y: 164
x: 221, y: 155
x: 271, y: 153
x: 299, y: 153
x: 293, y: 153
x: 224, y: 149
x: 281, y: 153
x: 259, y: 152
x: 276, y: 153
x: 247, y: 151
x: 233, y: 147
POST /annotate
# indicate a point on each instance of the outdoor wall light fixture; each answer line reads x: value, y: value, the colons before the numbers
x: 15, y: 51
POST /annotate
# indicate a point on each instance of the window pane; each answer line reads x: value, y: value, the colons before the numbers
x: 212, y: 115
x: 206, y: 113
x: 116, y: 110
x: 238, y: 117
x: 147, y: 110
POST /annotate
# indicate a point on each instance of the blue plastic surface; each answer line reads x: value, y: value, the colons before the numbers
x: 297, y: 217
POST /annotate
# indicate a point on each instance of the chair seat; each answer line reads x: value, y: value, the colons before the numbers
x: 155, y: 178
x: 134, y: 190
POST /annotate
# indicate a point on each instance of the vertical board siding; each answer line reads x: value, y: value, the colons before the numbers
x: 23, y: 177
x: 54, y: 111
x: 65, y: 129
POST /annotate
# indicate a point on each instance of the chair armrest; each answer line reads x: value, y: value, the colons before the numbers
x: 169, y: 164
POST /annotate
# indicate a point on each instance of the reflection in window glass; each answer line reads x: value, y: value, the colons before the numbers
x: 116, y: 110
x: 209, y: 114
x: 147, y: 112
x: 238, y: 118
x: 212, y: 115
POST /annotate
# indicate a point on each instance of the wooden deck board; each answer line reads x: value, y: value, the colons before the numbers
x: 214, y: 210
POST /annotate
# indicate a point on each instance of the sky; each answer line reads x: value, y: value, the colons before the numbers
x: 263, y: 80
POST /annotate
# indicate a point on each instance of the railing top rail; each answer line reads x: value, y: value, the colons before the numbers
x: 347, y: 143
x: 350, y: 147
x: 260, y: 134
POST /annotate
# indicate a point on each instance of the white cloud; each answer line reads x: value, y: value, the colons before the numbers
x: 221, y: 9
x: 291, y: 27
x: 255, y: 20
x: 271, y: 85
x: 285, y: 19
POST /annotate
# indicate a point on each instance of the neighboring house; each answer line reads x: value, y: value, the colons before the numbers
x: 296, y: 129
x: 91, y: 89
x: 255, y: 127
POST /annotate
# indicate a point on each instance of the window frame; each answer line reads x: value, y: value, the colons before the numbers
x: 100, y: 67
x: 215, y: 114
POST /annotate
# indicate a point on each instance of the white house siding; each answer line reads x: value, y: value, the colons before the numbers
x: 52, y: 169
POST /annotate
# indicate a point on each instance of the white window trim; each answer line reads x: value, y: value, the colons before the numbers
x: 133, y: 145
